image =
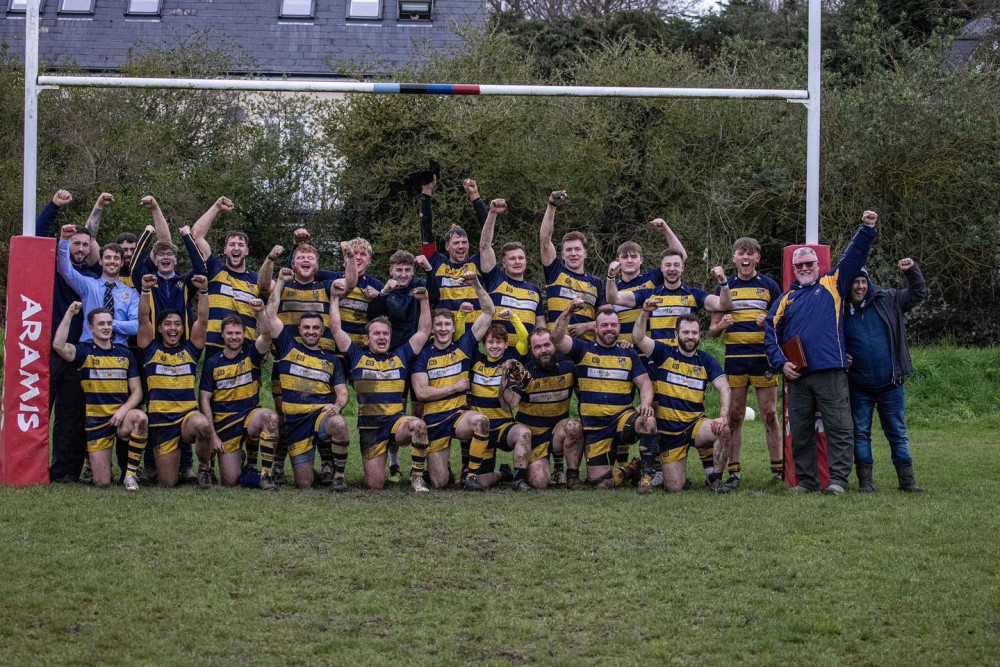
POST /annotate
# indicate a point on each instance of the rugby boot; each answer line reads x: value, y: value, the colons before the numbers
x: 575, y: 484
x: 471, y: 483
x: 326, y: 474
x: 658, y: 478
x: 131, y: 483
x: 188, y: 476
x: 688, y: 484
x: 338, y: 484
x: 86, y: 474
x: 278, y: 474
x: 506, y: 474
x: 394, y: 476
x: 558, y: 477
x: 733, y: 482
x: 147, y: 476
x: 866, y: 482
x: 715, y: 484
x: 833, y: 490
x: 906, y: 482
x: 645, y: 485
x: 418, y: 484
x: 521, y: 486
x: 267, y: 484
x: 204, y: 479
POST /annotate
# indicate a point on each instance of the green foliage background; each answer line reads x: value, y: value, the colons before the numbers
x: 901, y: 135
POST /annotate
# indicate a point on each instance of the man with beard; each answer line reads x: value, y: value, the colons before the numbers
x: 541, y: 394
x: 752, y: 294
x: 566, y: 279
x: 379, y: 377
x: 682, y: 373
x: 230, y: 398
x: 441, y: 380
x: 110, y: 380
x: 171, y: 367
x: 448, y: 289
x: 606, y: 377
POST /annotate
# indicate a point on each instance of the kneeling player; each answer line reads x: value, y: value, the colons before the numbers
x: 113, y: 391
x: 171, y: 369
x: 682, y: 373
x: 230, y: 397
x: 487, y: 373
x: 313, y: 393
x: 541, y: 393
x: 606, y: 376
x: 379, y: 378
x: 441, y: 381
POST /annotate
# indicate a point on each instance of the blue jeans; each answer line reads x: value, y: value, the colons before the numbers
x: 890, y: 404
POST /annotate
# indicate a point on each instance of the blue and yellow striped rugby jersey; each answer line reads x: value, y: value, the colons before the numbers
x: 354, y: 304
x: 379, y: 382
x: 446, y: 284
x: 234, y: 383
x: 484, y: 391
x: 445, y: 368
x: 672, y: 303
x: 680, y: 386
x: 563, y: 285
x: 307, y: 377
x: 751, y: 298
x: 605, y: 379
x: 546, y: 396
x: 300, y: 298
x: 520, y: 296
x: 627, y: 316
x: 170, y: 374
x: 229, y: 293
x: 104, y: 375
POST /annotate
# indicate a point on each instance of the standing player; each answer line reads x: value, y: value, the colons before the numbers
x: 606, y: 376
x: 541, y: 394
x: 171, y: 366
x: 395, y: 300
x: 230, y: 396
x: 441, y: 380
x: 379, y: 376
x: 752, y: 294
x: 113, y: 391
x: 567, y: 279
x: 682, y: 373
x: 313, y: 393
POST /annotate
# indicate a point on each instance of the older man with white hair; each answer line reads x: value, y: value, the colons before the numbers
x: 808, y: 319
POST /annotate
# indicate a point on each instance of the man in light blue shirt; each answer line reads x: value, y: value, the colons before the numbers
x: 107, y: 291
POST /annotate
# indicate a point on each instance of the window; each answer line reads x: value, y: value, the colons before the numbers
x: 364, y: 9
x: 296, y: 9
x: 414, y: 10
x: 143, y: 7
x: 76, y: 7
x: 21, y: 6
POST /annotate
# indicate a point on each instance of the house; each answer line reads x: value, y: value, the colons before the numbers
x: 297, y: 39
x: 981, y: 32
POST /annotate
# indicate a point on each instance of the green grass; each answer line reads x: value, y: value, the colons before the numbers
x: 592, y: 577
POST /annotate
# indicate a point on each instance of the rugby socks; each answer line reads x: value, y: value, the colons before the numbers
x: 705, y: 454
x: 280, y: 450
x: 621, y: 455
x: 136, y: 446
x: 394, y: 458
x: 558, y: 461
x: 251, y: 449
x: 418, y: 458
x: 325, y: 450
x: 477, y: 452
x: 649, y: 449
x: 778, y: 469
x: 268, y: 443
x: 734, y: 469
x: 465, y: 454
x: 339, y: 454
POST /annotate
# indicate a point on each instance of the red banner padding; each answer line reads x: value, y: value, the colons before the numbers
x: 24, y: 429
x: 788, y: 277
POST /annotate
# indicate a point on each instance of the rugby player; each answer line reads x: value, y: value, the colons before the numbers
x: 566, y: 278
x: 752, y: 295
x: 230, y: 397
x: 171, y: 366
x: 113, y: 392
x: 606, y: 375
x: 379, y: 377
x: 541, y: 394
x: 441, y: 380
x: 682, y: 373
x: 313, y: 391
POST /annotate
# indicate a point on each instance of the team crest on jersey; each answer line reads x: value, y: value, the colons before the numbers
x: 761, y: 291
x: 621, y: 361
x: 392, y: 363
x: 685, y: 300
x: 369, y: 362
x: 507, y: 288
x: 594, y: 359
x: 121, y: 361
x: 126, y: 296
x: 453, y: 356
x: 315, y: 295
x: 561, y: 381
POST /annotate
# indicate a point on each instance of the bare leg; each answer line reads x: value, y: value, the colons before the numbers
x: 767, y: 401
x: 168, y: 469
x: 100, y: 463
x: 737, y: 413
x: 230, y: 466
x: 438, y: 468
x: 375, y: 472
x: 674, y: 475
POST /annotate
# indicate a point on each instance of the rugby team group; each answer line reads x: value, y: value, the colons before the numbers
x: 473, y: 353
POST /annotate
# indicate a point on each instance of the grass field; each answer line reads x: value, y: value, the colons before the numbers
x: 591, y: 577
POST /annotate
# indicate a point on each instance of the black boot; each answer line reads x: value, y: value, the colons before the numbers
x: 866, y: 484
x: 904, y: 472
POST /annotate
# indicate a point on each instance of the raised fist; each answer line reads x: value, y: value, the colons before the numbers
x: 505, y: 314
x: 346, y: 250
x: 185, y: 230
x: 301, y: 235
x: 498, y: 206
x: 285, y: 274
x: 558, y: 197
x: 200, y: 282
x: 75, y: 307
x: 869, y: 218
x: 575, y: 305
x: 62, y: 197
x: 651, y: 304
x: 658, y: 223
x: 149, y: 203
x: 419, y: 293
x: 276, y: 252
x: 257, y: 305
x: 224, y: 204
x: 614, y: 268
x: 466, y: 308
x: 905, y: 264
x: 471, y: 188
x: 469, y: 277
x: 66, y: 232
x: 338, y: 288
x: 106, y: 199
x: 370, y: 292
x: 390, y: 285
x: 423, y: 263
x: 720, y: 274
x: 149, y: 281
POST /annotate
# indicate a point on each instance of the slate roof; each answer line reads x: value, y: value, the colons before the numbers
x: 983, y: 29
x: 311, y: 48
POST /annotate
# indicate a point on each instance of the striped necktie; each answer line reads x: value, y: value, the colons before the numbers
x: 109, y: 299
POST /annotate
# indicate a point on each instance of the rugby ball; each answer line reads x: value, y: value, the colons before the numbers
x: 750, y: 414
